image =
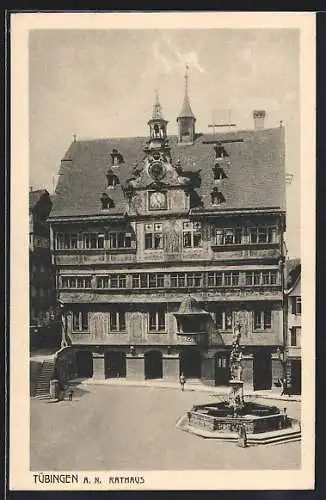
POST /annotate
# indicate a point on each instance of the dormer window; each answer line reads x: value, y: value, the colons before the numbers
x: 106, y: 202
x: 112, y: 179
x: 220, y: 152
x: 219, y: 174
x: 217, y: 197
x: 116, y: 158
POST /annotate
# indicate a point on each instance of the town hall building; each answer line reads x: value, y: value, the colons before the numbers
x: 164, y: 244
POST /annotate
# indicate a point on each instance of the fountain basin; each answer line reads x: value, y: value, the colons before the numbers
x: 263, y: 423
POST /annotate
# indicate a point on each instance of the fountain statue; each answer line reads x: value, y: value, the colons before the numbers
x: 235, y: 400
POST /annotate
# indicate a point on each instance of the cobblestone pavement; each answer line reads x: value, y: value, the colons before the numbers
x: 133, y: 428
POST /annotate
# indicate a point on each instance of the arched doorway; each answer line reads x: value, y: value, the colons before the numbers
x: 262, y: 372
x: 84, y: 364
x: 222, y: 370
x: 153, y: 364
x: 115, y: 364
x: 190, y: 363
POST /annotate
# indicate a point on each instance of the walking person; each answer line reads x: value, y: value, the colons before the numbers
x: 182, y: 381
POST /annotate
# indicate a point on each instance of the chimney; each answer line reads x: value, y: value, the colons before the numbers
x: 259, y: 117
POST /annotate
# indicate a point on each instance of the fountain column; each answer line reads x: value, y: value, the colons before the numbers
x: 235, y: 399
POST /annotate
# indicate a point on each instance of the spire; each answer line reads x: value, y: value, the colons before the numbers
x: 157, y: 108
x: 186, y: 111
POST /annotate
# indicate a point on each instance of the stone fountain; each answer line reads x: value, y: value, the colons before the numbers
x: 225, y: 419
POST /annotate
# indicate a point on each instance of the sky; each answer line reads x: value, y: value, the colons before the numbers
x: 102, y: 83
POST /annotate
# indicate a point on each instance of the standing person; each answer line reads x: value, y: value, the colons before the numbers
x: 284, y: 386
x: 182, y: 381
x: 242, y: 437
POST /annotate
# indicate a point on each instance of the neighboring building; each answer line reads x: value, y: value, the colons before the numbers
x: 293, y: 308
x: 163, y: 244
x: 41, y: 271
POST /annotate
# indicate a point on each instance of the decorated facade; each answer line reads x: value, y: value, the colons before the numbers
x: 163, y: 244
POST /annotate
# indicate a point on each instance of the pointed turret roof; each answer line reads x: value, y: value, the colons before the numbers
x: 157, y: 109
x: 190, y: 307
x: 186, y: 111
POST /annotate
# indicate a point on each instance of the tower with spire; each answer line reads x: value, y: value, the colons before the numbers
x: 157, y: 127
x: 186, y: 119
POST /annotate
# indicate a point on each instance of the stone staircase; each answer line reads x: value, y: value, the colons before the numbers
x: 41, y: 385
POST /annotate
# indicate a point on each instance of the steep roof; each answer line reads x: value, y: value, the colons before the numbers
x: 186, y: 111
x: 35, y: 196
x: 255, y: 174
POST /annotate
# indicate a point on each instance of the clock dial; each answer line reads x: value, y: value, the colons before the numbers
x: 157, y: 170
x: 157, y: 200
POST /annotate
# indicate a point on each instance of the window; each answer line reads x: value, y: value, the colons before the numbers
x: 157, y: 319
x: 228, y: 236
x: 261, y: 278
x: 223, y: 320
x: 191, y: 234
x: 217, y: 197
x: 117, y: 321
x: 262, y: 319
x: 223, y: 279
x: 295, y: 333
x: 80, y: 321
x: 261, y: 234
x: 296, y: 305
x: 144, y: 280
x: 120, y: 239
x: 76, y: 282
x: 112, y: 179
x: 215, y: 279
x: 231, y: 279
x: 186, y: 280
x: 106, y: 202
x: 93, y: 240
x: 219, y: 173
x: 112, y: 281
x: 66, y: 241
x: 153, y: 236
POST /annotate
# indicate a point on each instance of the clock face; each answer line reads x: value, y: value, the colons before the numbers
x: 156, y: 170
x: 157, y: 200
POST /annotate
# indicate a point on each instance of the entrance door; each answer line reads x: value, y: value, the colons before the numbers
x: 296, y: 376
x: 262, y: 376
x: 153, y: 364
x: 115, y: 364
x: 84, y: 363
x: 222, y: 370
x: 190, y: 363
